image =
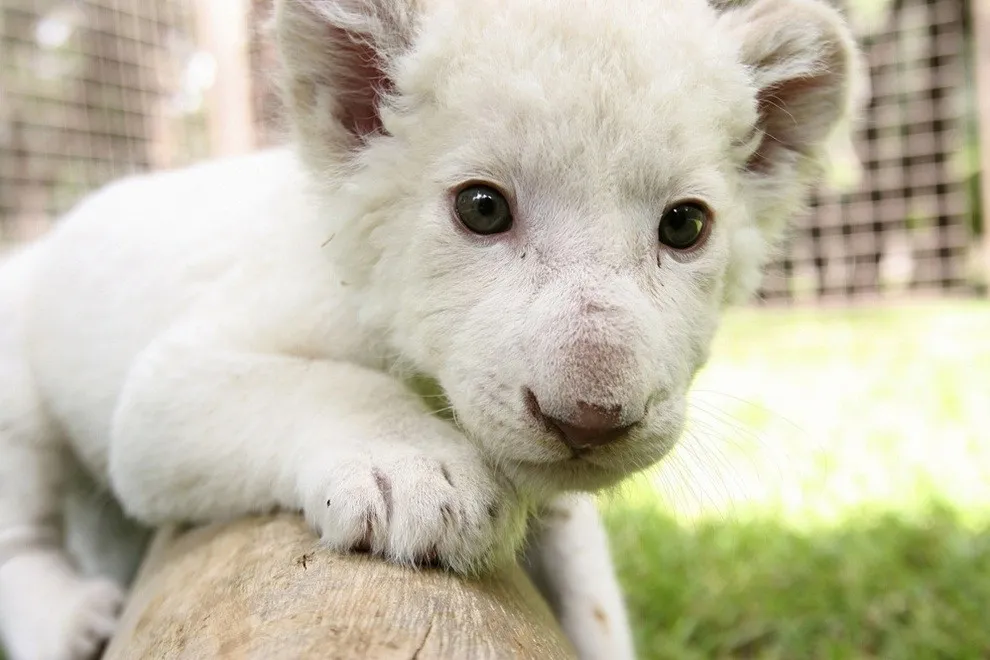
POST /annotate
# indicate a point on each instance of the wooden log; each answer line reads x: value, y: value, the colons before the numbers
x: 263, y: 588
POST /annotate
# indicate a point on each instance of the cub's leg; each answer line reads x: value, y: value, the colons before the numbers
x: 98, y: 536
x: 567, y: 557
x: 48, y: 611
x: 205, y: 432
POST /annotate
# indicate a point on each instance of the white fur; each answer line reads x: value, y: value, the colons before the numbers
x: 260, y: 333
x: 568, y: 558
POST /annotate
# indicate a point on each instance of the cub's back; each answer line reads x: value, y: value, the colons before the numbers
x: 123, y: 265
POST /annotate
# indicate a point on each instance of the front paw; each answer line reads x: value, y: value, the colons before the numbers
x: 415, y: 509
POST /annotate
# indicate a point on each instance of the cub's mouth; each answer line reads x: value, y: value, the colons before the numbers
x: 639, y: 448
x: 560, y: 457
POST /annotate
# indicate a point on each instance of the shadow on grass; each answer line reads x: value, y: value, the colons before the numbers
x: 880, y: 586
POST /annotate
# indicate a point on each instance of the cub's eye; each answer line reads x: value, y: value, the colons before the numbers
x: 483, y: 210
x: 685, y: 226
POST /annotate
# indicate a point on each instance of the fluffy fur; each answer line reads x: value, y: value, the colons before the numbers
x: 264, y: 332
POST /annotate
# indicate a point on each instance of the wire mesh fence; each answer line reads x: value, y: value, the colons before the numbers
x: 909, y: 226
x: 91, y: 90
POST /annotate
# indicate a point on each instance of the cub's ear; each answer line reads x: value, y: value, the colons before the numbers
x: 806, y: 73
x: 803, y: 63
x: 337, y: 57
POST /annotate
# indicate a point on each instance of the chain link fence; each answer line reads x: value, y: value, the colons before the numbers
x: 910, y: 226
x: 91, y: 90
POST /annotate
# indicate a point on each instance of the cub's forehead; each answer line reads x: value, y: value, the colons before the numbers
x: 563, y: 49
x: 599, y: 82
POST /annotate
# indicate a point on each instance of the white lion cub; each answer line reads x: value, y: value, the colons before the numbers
x: 534, y: 208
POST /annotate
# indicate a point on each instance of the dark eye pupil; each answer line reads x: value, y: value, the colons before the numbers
x: 683, y: 226
x: 486, y: 205
x: 483, y: 210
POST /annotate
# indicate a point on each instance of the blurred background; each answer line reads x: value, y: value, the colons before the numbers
x: 831, y: 498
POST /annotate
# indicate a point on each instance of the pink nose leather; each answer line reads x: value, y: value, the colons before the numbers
x: 591, y: 425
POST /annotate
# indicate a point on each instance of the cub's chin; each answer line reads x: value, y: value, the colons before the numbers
x: 572, y: 474
x: 593, y: 471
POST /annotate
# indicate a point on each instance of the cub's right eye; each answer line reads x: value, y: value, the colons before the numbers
x: 483, y: 210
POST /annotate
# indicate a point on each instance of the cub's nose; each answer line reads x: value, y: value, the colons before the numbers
x: 587, y: 426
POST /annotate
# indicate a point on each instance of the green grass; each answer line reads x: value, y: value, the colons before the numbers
x: 831, y: 498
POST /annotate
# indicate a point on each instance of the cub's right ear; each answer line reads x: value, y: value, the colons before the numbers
x: 337, y: 60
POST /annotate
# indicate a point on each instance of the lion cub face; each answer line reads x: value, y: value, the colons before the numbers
x: 556, y: 199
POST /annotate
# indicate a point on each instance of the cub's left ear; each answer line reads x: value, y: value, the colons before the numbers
x: 803, y: 61
x: 806, y: 73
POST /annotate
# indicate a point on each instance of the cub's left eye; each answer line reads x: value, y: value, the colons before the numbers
x: 483, y: 210
x: 685, y: 225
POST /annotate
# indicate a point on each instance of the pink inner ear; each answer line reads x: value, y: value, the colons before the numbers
x: 769, y: 107
x: 361, y: 82
x: 794, y: 115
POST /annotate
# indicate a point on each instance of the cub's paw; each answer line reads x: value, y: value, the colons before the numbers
x: 415, y: 509
x: 57, y: 615
x: 92, y: 619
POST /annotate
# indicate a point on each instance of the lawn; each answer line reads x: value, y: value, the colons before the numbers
x: 831, y: 498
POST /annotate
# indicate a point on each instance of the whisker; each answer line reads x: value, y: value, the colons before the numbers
x: 721, y: 462
x: 752, y: 404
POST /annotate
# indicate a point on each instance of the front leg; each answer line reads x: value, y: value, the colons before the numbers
x: 205, y: 433
x: 567, y: 556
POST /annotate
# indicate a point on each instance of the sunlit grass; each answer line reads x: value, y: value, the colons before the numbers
x: 829, y: 497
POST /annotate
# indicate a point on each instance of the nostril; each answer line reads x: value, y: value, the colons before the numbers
x: 591, y: 426
x: 533, y: 404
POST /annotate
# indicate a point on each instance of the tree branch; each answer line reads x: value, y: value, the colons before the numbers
x: 263, y: 588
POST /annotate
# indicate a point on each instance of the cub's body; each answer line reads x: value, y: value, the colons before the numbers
x: 140, y: 245
x: 534, y: 210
